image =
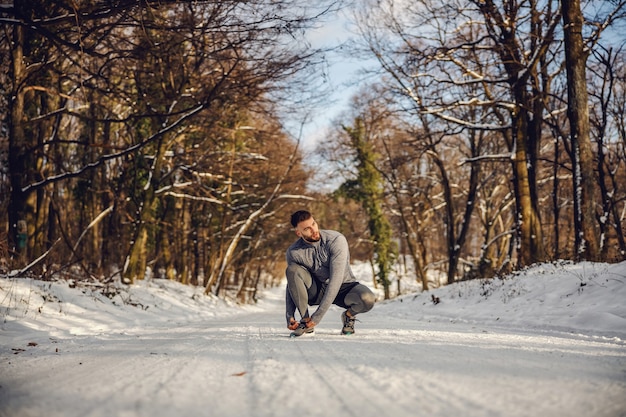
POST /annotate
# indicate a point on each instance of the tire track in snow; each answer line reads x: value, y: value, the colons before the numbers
x: 404, y: 371
x: 89, y: 371
x: 147, y: 377
x: 273, y: 374
x: 481, y: 372
x: 356, y: 394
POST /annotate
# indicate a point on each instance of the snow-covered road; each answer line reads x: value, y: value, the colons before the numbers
x: 244, y: 364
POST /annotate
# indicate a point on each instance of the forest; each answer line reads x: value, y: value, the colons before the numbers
x: 148, y: 139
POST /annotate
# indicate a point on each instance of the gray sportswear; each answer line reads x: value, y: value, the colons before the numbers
x: 328, y: 262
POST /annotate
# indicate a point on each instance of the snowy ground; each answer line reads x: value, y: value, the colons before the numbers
x: 550, y: 341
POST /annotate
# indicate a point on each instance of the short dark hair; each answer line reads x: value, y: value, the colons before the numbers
x: 299, y: 216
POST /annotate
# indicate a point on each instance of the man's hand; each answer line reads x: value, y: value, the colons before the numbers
x: 293, y: 324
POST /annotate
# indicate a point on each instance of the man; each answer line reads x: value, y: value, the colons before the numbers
x: 318, y: 273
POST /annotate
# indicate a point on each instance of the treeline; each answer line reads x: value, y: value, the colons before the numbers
x: 145, y: 138
x: 497, y: 129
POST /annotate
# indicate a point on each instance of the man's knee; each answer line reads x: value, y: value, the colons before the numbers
x: 360, y: 300
x: 295, y: 271
x: 368, y: 298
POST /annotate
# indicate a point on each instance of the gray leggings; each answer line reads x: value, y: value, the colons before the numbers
x: 306, y: 291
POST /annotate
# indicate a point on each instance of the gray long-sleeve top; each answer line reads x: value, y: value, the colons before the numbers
x: 328, y: 261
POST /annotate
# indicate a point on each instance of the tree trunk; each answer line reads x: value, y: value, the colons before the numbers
x: 168, y: 237
x: 455, y: 239
x: 369, y: 191
x: 137, y: 261
x: 530, y: 235
x: 135, y: 267
x: 586, y: 227
x: 418, y: 264
x: 20, y: 209
x: 185, y: 261
x: 453, y: 249
x: 93, y: 200
x: 412, y: 243
x: 556, y: 207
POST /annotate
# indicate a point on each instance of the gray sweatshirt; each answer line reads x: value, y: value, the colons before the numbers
x: 328, y: 261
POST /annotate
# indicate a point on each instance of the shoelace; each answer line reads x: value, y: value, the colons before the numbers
x: 304, y: 329
x: 349, y: 321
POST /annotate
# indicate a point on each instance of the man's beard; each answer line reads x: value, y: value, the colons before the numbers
x: 311, y: 239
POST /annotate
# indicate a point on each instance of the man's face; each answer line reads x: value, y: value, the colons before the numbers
x: 308, y: 230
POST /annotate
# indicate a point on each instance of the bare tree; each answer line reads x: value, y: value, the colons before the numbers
x: 496, y: 68
x: 429, y: 70
x: 587, y: 234
x: 130, y: 104
x: 604, y: 122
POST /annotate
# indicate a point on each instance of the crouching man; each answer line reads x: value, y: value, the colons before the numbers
x: 318, y: 273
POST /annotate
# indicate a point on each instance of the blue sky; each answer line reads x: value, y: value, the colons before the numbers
x: 341, y: 75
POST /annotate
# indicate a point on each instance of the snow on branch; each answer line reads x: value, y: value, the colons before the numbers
x: 195, y: 198
x: 294, y: 197
x: 480, y: 126
x: 494, y: 157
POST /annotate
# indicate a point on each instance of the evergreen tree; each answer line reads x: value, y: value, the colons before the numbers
x: 367, y: 189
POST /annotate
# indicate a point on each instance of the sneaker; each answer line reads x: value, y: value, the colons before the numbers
x: 302, y: 329
x: 348, y: 323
